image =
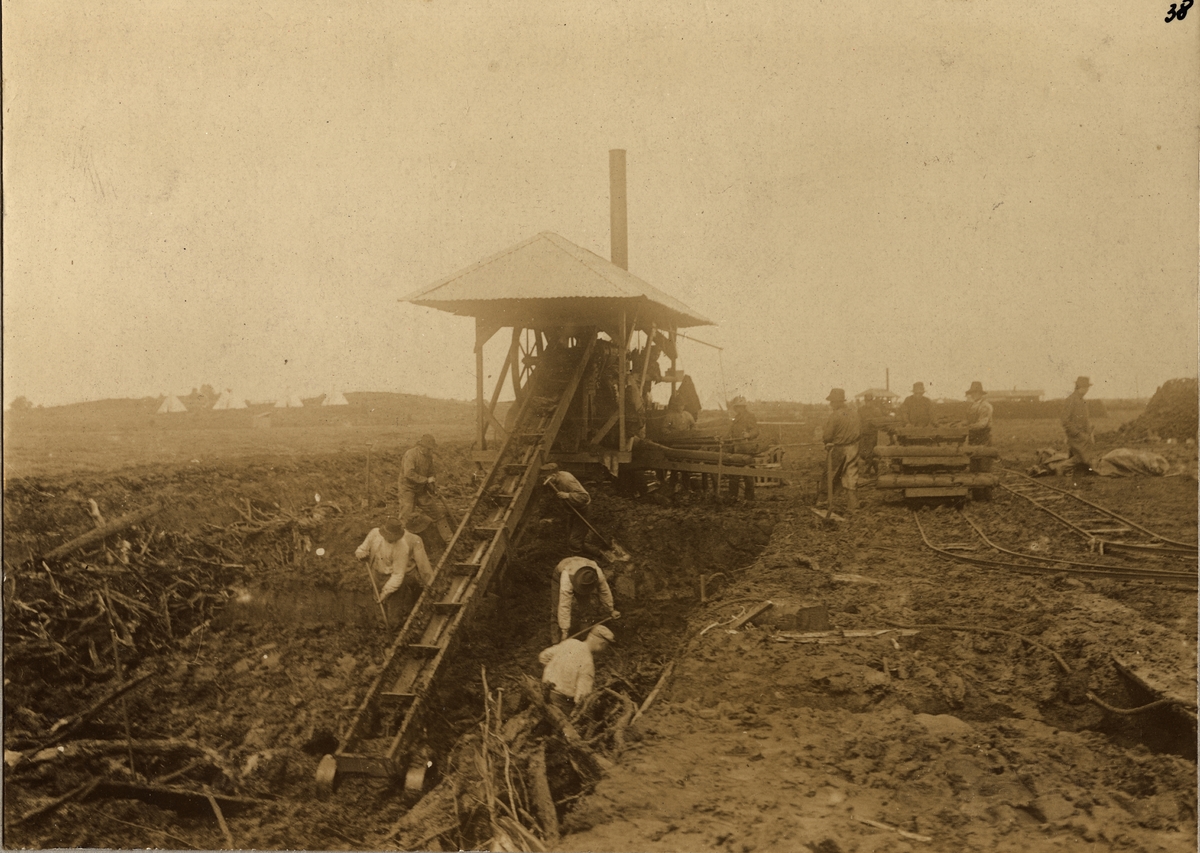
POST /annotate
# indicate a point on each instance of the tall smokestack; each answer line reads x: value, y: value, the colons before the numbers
x: 619, y: 227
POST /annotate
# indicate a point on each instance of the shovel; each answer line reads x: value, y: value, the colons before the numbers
x: 375, y: 586
x: 621, y: 554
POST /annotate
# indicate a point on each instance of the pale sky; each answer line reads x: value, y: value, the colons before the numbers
x: 239, y: 193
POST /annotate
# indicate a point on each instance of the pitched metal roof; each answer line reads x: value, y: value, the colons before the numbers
x: 548, y: 274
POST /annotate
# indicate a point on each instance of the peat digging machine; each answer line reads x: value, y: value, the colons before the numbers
x: 578, y: 358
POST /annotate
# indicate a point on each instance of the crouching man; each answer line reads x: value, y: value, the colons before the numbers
x: 392, y: 550
x: 570, y: 670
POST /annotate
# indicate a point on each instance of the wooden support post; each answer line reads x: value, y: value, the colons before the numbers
x: 675, y: 352
x: 646, y: 360
x: 481, y: 416
x: 515, y: 364
x: 483, y: 333
x: 625, y: 335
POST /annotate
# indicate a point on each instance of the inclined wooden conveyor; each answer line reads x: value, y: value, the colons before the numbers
x: 382, y: 735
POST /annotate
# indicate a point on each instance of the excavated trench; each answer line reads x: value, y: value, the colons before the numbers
x: 275, y: 675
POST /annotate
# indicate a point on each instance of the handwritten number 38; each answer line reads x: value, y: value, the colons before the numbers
x: 1178, y: 13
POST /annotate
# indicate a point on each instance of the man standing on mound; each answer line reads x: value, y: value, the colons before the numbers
x: 418, y: 487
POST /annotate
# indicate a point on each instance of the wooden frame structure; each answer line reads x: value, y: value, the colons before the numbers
x: 547, y: 290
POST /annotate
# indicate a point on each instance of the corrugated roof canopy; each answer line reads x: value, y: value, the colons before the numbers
x: 551, y: 279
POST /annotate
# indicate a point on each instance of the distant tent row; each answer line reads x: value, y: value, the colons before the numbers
x: 169, y: 405
x: 227, y: 400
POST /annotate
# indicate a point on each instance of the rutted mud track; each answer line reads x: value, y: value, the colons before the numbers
x: 975, y: 740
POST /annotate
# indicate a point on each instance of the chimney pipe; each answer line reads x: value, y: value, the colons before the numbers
x: 619, y: 227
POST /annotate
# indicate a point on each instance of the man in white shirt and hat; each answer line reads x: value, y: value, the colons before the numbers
x: 390, y: 549
x: 570, y: 668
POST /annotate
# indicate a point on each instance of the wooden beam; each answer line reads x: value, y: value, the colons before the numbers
x: 646, y: 360
x: 625, y: 338
x: 604, y: 430
x: 503, y: 374
x: 484, y: 329
x: 480, y: 418
x: 516, y: 367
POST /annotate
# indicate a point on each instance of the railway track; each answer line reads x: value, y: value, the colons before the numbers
x: 1103, y: 530
x: 956, y: 536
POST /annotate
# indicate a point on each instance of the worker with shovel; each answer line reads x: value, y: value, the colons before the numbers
x: 575, y: 500
x: 579, y: 596
x: 392, y: 550
x: 418, y: 487
x: 841, y: 449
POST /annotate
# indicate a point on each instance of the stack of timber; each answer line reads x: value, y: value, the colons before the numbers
x: 934, y: 462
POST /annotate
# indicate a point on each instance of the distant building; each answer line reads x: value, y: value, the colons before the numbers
x: 878, y: 394
x: 1017, y: 396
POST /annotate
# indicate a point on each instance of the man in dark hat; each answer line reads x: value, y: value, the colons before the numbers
x: 743, y: 432
x: 392, y: 550
x: 979, y: 422
x: 418, y: 487
x: 841, y: 441
x: 917, y: 409
x: 579, y: 596
x: 1078, y: 426
x: 575, y: 501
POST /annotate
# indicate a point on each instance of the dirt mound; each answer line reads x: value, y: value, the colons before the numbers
x: 1170, y: 414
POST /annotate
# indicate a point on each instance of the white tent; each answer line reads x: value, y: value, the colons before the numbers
x: 169, y: 405
x: 290, y: 401
x: 335, y: 398
x: 713, y: 402
x: 228, y: 401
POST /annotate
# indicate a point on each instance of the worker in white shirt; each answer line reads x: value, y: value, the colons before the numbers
x: 579, y: 596
x: 392, y: 550
x: 570, y: 670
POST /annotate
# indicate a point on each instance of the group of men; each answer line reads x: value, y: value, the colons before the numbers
x: 580, y: 593
x: 680, y: 424
x: 846, y: 441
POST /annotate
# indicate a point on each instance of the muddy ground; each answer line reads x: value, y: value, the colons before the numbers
x: 944, y: 739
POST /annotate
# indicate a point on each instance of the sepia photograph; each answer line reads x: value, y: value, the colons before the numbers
x: 447, y: 425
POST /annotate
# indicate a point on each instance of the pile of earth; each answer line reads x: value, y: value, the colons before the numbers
x: 1171, y: 414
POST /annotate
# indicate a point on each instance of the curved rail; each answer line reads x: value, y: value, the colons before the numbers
x: 1038, y: 493
x: 1053, y: 565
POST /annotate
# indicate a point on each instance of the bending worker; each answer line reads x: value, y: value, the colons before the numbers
x: 577, y: 593
x: 576, y: 499
x: 570, y: 670
x: 418, y: 486
x: 390, y: 549
x: 841, y: 440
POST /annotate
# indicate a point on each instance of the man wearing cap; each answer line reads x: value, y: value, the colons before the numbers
x: 392, y: 550
x: 979, y: 422
x: 575, y: 501
x: 841, y: 440
x: 579, y: 592
x: 570, y: 670
x: 743, y: 432
x: 917, y: 409
x: 1078, y: 425
x: 418, y: 486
